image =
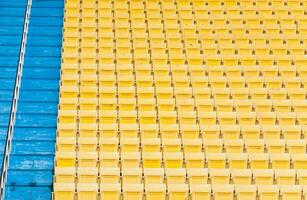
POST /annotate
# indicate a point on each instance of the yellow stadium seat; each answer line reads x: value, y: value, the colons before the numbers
x: 65, y: 159
x: 223, y: 192
x: 203, y: 105
x: 152, y: 159
x: 254, y: 146
x: 87, y: 191
x: 198, y: 81
x: 286, y: 118
x: 177, y: 191
x: 107, y: 92
x: 296, y: 146
x: 109, y: 159
x: 87, y: 159
x: 173, y: 159
x: 275, y: 146
x: 88, y: 130
x: 155, y: 191
x: 285, y: 176
x: 219, y: 176
x: 64, y: 191
x: 299, y: 161
x: 153, y: 175
x: 268, y: 192
x: 64, y: 175
x: 187, y: 118
x: 132, y: 191
x: 169, y: 130
x: 200, y: 191
x: 237, y: 161
x: 175, y: 176
x: 167, y: 117
x: 258, y: 161
x: 250, y: 131
x: 110, y: 191
x: 234, y: 146
x: 246, y: 118
x: 150, y: 144
x: 185, y: 105
x: 166, y: 104
x: 263, y: 177
x: 164, y: 93
x: 87, y: 144
x: 299, y: 105
x: 241, y: 176
x: 213, y: 145
x: 246, y: 192
x: 108, y: 131
x: 194, y: 160
x: 207, y: 118
x: 224, y: 105
x: 290, y: 192
x: 183, y: 93
x: 301, y: 176
x: 197, y: 175
x: 130, y: 159
x: 192, y: 145
x: 216, y: 160
x: 202, y: 93
x: 129, y: 145
x: 87, y: 175
x: 109, y: 175
x: 278, y: 94
x: 258, y: 93
x: 267, y: 118
x: 66, y: 144
x: 131, y: 175
x: 243, y: 105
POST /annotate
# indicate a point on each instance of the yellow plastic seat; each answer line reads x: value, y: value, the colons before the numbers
x: 234, y: 146
x: 266, y: 118
x: 150, y: 145
x: 66, y: 144
x: 126, y: 92
x: 173, y: 159
x: 192, y: 145
x: 164, y: 93
x: 152, y: 159
x: 282, y: 106
x: 109, y: 160
x: 224, y: 105
x: 278, y: 94
x: 107, y: 92
x: 167, y: 117
x: 299, y: 161
x: 263, y: 177
x: 246, y: 118
x: 254, y: 82
x: 245, y: 192
x: 155, y: 191
x: 87, y: 175
x: 300, y: 105
x: 130, y: 145
x: 175, y: 176
x: 64, y: 191
x: 216, y: 160
x: 207, y: 118
x: 302, y: 118
x: 87, y: 144
x: 108, y: 131
x: 223, y: 192
x: 301, y: 176
x: 267, y: 192
x: 258, y: 93
x: 87, y: 191
x: 202, y: 93
x: 65, y: 159
x: 292, y: 82
x: 194, y: 160
x: 210, y: 131
x: 166, y: 104
x: 243, y: 105
x: 237, y: 161
x: 169, y: 130
x: 110, y: 191
x: 296, y: 146
x: 218, y: 82
x: 131, y: 175
x: 290, y: 192
x: 203, y: 105
x: 132, y: 191
x: 241, y: 176
x: 198, y: 81
x: 250, y: 131
x: 130, y: 159
x: 109, y: 175
x: 185, y: 105
x: 64, y: 175
x: 221, y: 93
x: 177, y: 191
x: 107, y: 117
x: 197, y: 175
x: 227, y: 118
x: 263, y: 105
x: 254, y: 146
x: 183, y: 93
x: 106, y: 104
x: 213, y: 145
x: 87, y: 159
x: 275, y: 146
x: 149, y: 130
x: 200, y: 192
x: 286, y: 118
x: 285, y: 176
x: 230, y: 132
x: 153, y: 175
x: 259, y: 161
x: 219, y: 176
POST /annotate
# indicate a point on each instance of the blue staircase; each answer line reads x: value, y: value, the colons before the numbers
x: 33, y: 145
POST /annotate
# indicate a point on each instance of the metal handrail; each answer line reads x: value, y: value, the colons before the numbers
x: 11, y: 124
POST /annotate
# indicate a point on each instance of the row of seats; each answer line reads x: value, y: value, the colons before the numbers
x: 180, y: 176
x: 147, y: 145
x: 178, y: 191
x: 179, y: 160
x: 145, y: 102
